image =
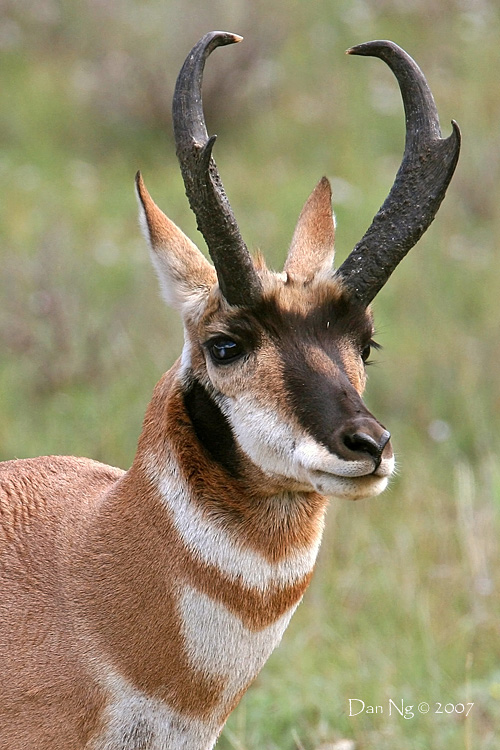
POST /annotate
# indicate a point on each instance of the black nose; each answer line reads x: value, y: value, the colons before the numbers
x: 361, y: 442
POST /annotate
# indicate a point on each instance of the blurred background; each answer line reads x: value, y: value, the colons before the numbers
x: 405, y: 601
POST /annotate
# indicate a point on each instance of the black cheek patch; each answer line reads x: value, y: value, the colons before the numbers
x: 212, y: 428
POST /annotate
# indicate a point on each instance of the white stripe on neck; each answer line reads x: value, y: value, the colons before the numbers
x: 212, y: 544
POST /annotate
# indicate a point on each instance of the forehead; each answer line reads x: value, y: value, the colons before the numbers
x: 293, y: 309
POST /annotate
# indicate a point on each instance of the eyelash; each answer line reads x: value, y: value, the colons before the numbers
x: 366, y: 351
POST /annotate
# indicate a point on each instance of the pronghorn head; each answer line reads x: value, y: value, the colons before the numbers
x: 273, y: 367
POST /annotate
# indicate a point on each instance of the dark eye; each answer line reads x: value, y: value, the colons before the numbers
x: 367, y: 350
x: 224, y: 350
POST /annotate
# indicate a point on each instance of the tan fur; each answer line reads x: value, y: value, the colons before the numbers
x: 45, y: 505
x: 119, y: 565
x: 313, y: 243
x: 173, y: 253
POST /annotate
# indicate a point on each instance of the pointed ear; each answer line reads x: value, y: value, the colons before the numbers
x: 312, y: 248
x: 185, y: 274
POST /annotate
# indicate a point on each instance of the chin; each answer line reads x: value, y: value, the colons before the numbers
x: 350, y: 488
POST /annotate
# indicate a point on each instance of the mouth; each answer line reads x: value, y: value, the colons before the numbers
x: 351, y: 479
x: 334, y: 476
x: 349, y: 487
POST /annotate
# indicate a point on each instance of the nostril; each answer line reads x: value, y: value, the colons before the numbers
x: 361, y: 442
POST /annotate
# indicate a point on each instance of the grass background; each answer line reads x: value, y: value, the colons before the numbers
x: 404, y: 603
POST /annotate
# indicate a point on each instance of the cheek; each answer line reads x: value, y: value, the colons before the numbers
x: 258, y: 377
x: 231, y: 380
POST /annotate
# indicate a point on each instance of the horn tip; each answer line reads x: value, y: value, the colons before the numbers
x: 456, y: 131
x: 225, y: 37
x: 374, y: 49
x: 358, y: 49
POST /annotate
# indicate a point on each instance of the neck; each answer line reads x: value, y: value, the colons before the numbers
x: 209, y: 565
x: 200, y: 472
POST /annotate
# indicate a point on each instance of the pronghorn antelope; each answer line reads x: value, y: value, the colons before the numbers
x: 137, y: 607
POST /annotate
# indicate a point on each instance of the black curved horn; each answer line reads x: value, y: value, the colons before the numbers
x: 420, y: 185
x: 236, y: 272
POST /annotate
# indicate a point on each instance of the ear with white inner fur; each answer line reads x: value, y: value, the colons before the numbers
x: 313, y: 243
x: 185, y: 274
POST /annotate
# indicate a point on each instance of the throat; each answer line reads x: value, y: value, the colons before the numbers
x: 213, y: 491
x: 259, y: 511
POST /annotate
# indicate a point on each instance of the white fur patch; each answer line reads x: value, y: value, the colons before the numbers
x: 212, y: 544
x: 313, y: 456
x: 282, y: 450
x: 262, y: 433
x: 220, y: 645
x: 134, y: 721
x: 185, y: 357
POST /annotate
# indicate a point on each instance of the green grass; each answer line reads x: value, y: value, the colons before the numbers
x: 404, y: 603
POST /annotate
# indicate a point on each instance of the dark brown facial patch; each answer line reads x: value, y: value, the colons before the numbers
x: 318, y: 333
x: 320, y: 352
x: 323, y: 399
